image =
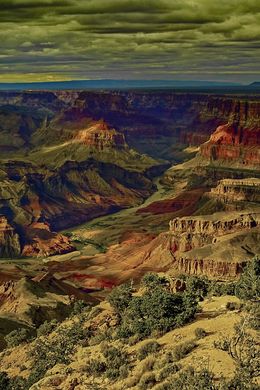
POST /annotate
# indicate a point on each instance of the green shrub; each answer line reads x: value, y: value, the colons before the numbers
x: 97, y: 338
x: 167, y: 370
x: 115, y: 357
x: 47, y: 353
x: 198, y: 286
x: 181, y: 350
x: 120, y: 298
x: 79, y: 307
x: 47, y: 327
x: 124, y: 371
x: 253, y: 310
x: 157, y: 310
x: 17, y: 337
x: 248, y: 286
x: 164, y: 360
x: 13, y: 383
x: 95, y: 367
x: 112, y: 373
x: 4, y: 380
x: 148, y: 348
x: 191, y: 379
x: 221, y: 288
x: 200, y: 333
x: 147, y: 381
x: 152, y: 280
x: 222, y: 344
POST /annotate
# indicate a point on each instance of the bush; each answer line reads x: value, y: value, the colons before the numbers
x: 222, y: 344
x: 148, y: 348
x: 17, y: 337
x: 95, y: 367
x: 4, y: 380
x: 221, y: 288
x: 79, y: 307
x: 152, y: 280
x: 233, y: 306
x: 147, y: 381
x: 190, y: 379
x: 253, y: 310
x: 198, y: 286
x: 120, y: 298
x: 47, y: 353
x: 200, y: 333
x: 14, y: 383
x: 115, y: 357
x: 123, y: 371
x: 112, y: 373
x: 46, y: 328
x: 167, y: 371
x: 157, y: 310
x: 181, y: 350
x: 248, y: 286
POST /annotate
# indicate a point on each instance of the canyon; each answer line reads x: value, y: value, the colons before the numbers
x: 71, y: 160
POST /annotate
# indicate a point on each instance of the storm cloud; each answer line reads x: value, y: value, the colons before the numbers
x: 163, y: 39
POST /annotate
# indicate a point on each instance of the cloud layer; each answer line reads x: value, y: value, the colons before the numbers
x: 163, y: 39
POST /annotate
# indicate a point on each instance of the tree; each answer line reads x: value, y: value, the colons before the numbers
x: 248, y: 286
x: 120, y: 298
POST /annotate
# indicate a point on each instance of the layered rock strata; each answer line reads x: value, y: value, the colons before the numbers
x: 240, y: 190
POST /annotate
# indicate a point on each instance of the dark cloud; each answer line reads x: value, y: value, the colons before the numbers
x: 124, y: 38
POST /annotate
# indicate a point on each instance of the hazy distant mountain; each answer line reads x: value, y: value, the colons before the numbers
x: 116, y: 84
x: 255, y: 84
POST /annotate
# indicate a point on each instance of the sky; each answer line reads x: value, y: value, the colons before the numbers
x: 52, y: 40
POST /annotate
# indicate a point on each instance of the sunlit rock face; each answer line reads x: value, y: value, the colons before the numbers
x: 237, y: 140
x: 237, y: 190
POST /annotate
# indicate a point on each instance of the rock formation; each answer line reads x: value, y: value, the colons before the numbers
x: 237, y: 190
x: 9, y: 239
x: 68, y: 156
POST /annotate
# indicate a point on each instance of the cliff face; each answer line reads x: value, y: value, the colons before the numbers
x: 238, y: 140
x: 144, y: 117
x: 193, y: 232
x: 198, y: 244
x: 41, y: 242
x: 237, y: 190
x: 9, y: 239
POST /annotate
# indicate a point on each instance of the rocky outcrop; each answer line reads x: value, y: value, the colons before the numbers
x: 208, y: 267
x: 223, y: 145
x: 9, y: 239
x: 237, y: 190
x: 198, y: 244
x: 99, y: 136
x: 41, y: 242
x: 217, y: 225
x: 238, y: 140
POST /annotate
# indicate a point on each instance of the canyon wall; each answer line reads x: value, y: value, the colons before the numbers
x: 216, y: 245
x: 237, y: 190
x: 67, y: 157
